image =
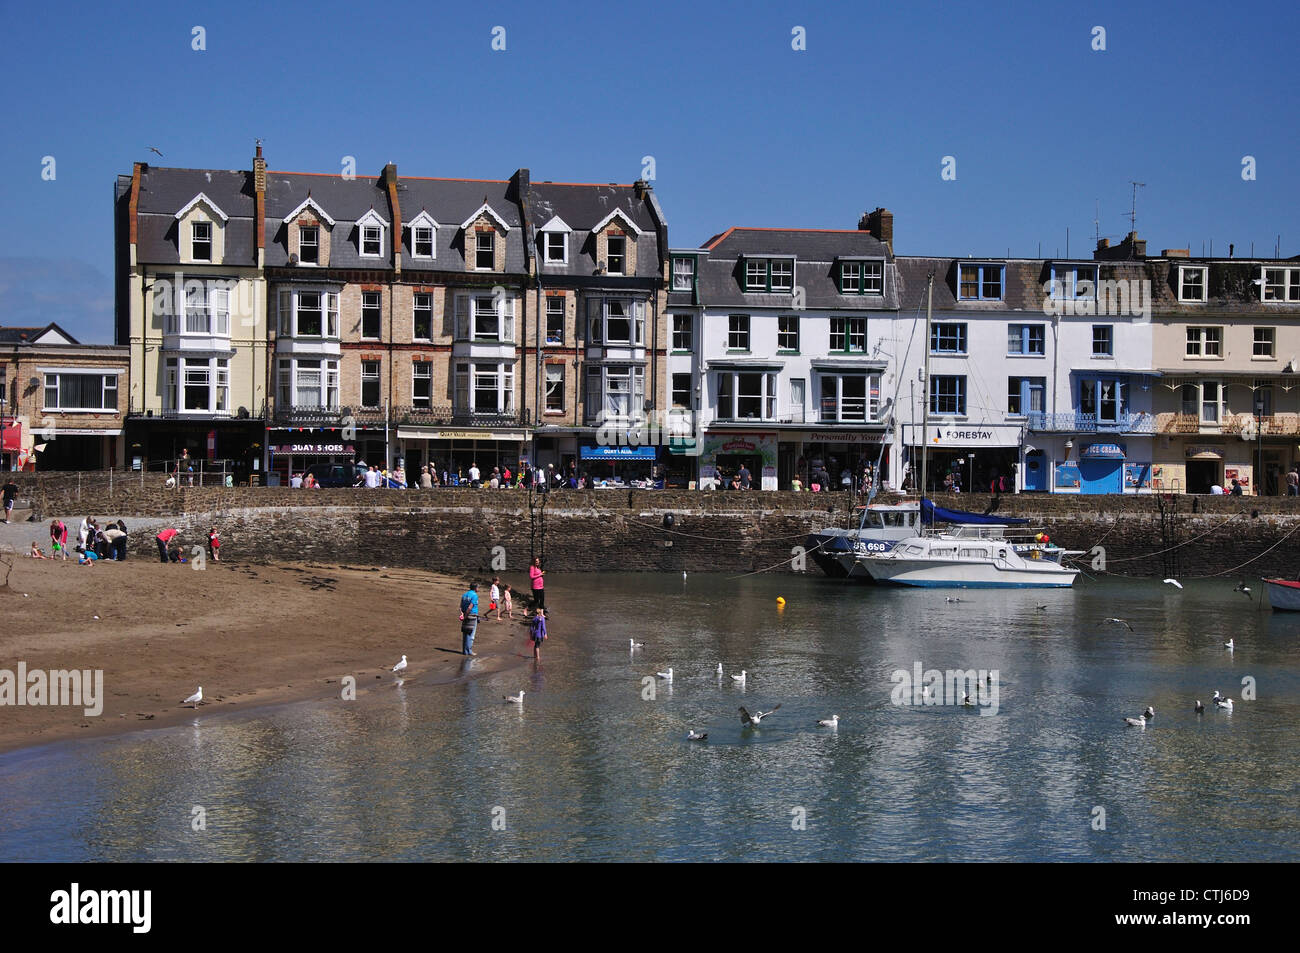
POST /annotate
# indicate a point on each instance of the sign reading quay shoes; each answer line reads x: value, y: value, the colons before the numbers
x: 313, y: 449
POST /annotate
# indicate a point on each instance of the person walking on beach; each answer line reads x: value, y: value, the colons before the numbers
x: 535, y: 574
x: 537, y: 633
x: 509, y: 601
x: 468, y: 617
x: 494, y: 596
x: 10, y: 494
x: 214, y: 545
x: 163, y: 539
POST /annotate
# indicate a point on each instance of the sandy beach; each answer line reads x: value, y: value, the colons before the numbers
x: 250, y: 635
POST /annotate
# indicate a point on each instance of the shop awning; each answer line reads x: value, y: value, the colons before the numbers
x: 55, y: 432
x: 439, y: 433
x: 1102, y: 451
x: 11, y: 438
x: 618, y: 453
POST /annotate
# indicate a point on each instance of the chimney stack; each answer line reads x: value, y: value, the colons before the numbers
x: 641, y: 187
x: 879, y: 223
x: 259, y: 204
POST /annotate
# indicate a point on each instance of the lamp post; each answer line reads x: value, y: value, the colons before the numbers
x: 2, y: 431
x: 1259, y: 441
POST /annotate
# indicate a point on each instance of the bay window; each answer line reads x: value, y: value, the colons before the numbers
x: 197, y: 384
x: 849, y: 398
x: 485, y: 318
x: 616, y: 322
x: 482, y: 388
x: 308, y: 383
x: 746, y: 395
x: 615, y: 391
x: 308, y: 313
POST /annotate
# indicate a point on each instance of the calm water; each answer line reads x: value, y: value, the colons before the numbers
x: 590, y: 770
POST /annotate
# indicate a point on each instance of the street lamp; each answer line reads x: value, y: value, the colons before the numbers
x: 1259, y: 441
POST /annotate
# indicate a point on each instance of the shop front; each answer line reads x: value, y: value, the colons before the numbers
x: 964, y: 457
x: 803, y: 454
x: 453, y: 452
x: 608, y: 466
x: 297, y: 451
x: 723, y: 454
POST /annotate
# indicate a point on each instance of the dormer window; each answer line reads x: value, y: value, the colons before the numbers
x: 422, y: 241
x: 683, y: 274
x: 372, y: 238
x: 201, y: 241
x: 1191, y: 283
x: 309, y: 244
x: 555, y: 247
x: 485, y: 249
x: 616, y: 255
x: 769, y: 274
x: 782, y: 271
x: 858, y: 277
x: 1071, y: 282
x: 979, y: 282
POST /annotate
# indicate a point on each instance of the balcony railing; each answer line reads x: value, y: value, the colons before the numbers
x: 1178, y: 423
x: 429, y: 415
x: 256, y: 412
x: 1088, y: 423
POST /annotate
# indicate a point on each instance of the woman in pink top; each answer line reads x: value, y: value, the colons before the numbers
x: 163, y: 538
x: 535, y: 574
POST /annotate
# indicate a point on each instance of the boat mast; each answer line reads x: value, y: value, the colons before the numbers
x: 925, y: 389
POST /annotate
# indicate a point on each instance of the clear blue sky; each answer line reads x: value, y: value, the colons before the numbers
x: 744, y: 129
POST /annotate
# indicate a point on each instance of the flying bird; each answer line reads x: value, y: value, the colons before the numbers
x: 152, y: 149
x: 666, y: 676
x: 400, y: 666
x: 832, y: 722
x: 740, y: 679
x: 515, y: 699
x: 195, y: 698
x: 1173, y: 582
x: 696, y: 735
x: 1123, y: 622
x: 752, y: 720
x: 1139, y: 722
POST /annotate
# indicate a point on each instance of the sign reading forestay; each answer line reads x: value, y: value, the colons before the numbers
x: 964, y: 435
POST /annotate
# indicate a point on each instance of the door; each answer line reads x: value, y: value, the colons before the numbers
x: 1035, y: 472
x: 1101, y: 476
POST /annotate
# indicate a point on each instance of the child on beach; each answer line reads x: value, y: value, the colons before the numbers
x: 537, y: 633
x: 494, y: 596
x: 214, y: 545
x: 36, y: 552
x: 509, y: 603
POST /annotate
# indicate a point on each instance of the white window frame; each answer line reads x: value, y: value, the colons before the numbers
x: 609, y: 255
x: 205, y: 311
x: 554, y: 386
x: 600, y: 314
x: 783, y: 348
x: 415, y: 309
x: 600, y: 396
x: 738, y: 336
x: 1068, y: 282
x: 1271, y: 342
x: 287, y: 323
x: 378, y: 309
x: 870, y: 397
x: 549, y: 240
x: 551, y: 312
x: 194, y: 240
x: 216, y: 374
x: 1285, y: 291
x: 107, y: 390
x: 466, y: 386
x: 683, y: 327
x: 377, y: 378
x: 1184, y: 272
x: 417, y: 241
x: 683, y: 278
x: 727, y: 389
x: 416, y: 376
x: 378, y: 239
x: 491, y: 250
x: 1199, y: 338
x: 303, y: 243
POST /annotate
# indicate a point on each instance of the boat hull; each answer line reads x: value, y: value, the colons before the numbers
x: 929, y: 573
x: 1284, y: 594
x: 837, y: 553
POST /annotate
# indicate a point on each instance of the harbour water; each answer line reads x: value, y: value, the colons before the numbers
x: 592, y: 768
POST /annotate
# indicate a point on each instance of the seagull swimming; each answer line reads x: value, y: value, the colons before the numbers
x: 195, y: 698
x: 1243, y: 589
x: 1139, y: 722
x: 1224, y: 704
x: 635, y: 644
x: 666, y: 676
x: 1228, y: 645
x: 1149, y: 714
x: 951, y: 599
x: 1200, y: 709
x: 516, y: 699
x: 1040, y: 608
x: 400, y: 666
x: 832, y: 722
x: 719, y: 670
x: 1123, y: 622
x: 967, y: 701
x: 696, y: 735
x: 752, y: 720
x: 1173, y: 582
x: 740, y: 678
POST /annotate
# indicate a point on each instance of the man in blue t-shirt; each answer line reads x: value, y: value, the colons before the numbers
x: 469, y: 617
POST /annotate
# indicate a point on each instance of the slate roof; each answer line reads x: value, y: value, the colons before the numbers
x: 16, y: 335
x: 583, y: 206
x: 164, y: 192
x: 816, y: 251
x: 450, y: 202
x: 344, y: 200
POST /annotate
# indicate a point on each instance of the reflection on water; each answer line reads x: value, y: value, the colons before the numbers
x: 591, y: 767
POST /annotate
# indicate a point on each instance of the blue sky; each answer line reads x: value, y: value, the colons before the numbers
x: 744, y: 130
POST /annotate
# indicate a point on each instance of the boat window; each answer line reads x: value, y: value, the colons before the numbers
x: 1002, y: 554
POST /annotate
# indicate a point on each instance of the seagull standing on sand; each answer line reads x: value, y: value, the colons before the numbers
x: 751, y: 721
x: 696, y: 735
x: 400, y: 666
x: 516, y: 699
x: 740, y: 679
x: 1139, y: 722
x: 666, y: 676
x: 195, y: 698
x: 832, y: 722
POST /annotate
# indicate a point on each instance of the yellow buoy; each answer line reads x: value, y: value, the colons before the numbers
x: 780, y: 600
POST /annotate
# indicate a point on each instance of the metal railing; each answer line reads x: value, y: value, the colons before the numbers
x: 136, y: 408
x: 1076, y: 422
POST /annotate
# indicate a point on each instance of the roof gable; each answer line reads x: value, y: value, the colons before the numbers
x: 201, y: 197
x: 485, y: 209
x: 372, y: 218
x: 556, y: 224
x: 311, y: 203
x: 599, y: 226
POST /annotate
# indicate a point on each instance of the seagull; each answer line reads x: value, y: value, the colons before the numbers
x: 1228, y: 645
x: 635, y: 644
x: 719, y: 670
x: 1200, y: 709
x: 927, y: 693
x: 967, y: 702
x: 1040, y: 608
x: 752, y: 720
x: 666, y: 676
x: 683, y: 573
x: 1139, y: 722
x: 740, y: 679
x: 1224, y: 704
x: 1149, y: 714
x: 1217, y: 697
x: 195, y: 698
x: 951, y: 599
x: 832, y: 722
x: 1123, y: 622
x: 696, y: 735
x: 515, y: 699
x: 400, y: 666
x: 1243, y: 589
x: 152, y: 149
x: 1173, y: 582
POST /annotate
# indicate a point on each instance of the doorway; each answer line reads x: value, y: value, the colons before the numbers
x: 1203, y: 474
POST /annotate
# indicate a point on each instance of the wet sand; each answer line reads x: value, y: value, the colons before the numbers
x: 250, y: 635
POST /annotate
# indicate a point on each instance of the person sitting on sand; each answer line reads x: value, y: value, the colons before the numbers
x: 87, y: 558
x: 36, y: 552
